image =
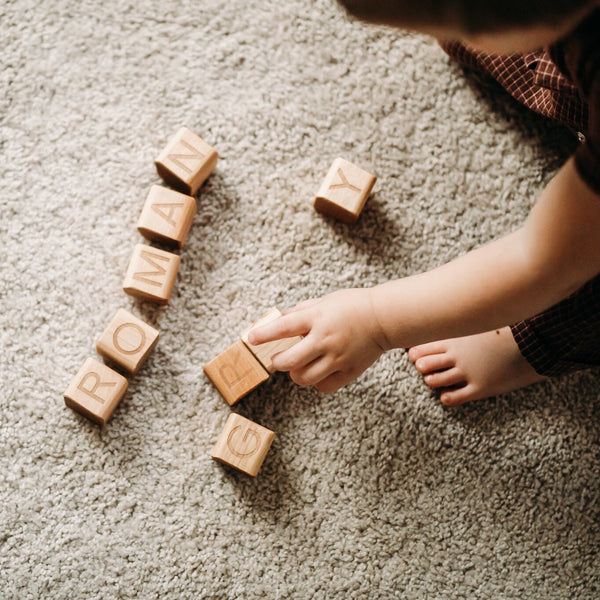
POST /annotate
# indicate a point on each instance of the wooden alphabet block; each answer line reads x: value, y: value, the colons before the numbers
x: 265, y: 352
x: 95, y: 391
x: 127, y: 341
x: 167, y: 216
x: 235, y: 372
x: 344, y: 191
x: 186, y: 162
x: 151, y: 274
x: 243, y: 444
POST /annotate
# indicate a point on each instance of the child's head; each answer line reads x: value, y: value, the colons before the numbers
x: 533, y: 21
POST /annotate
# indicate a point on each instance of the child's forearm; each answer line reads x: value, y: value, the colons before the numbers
x: 513, y: 278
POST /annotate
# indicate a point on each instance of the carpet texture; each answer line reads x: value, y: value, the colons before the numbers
x: 376, y: 491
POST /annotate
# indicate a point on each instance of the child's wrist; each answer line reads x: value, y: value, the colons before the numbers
x: 378, y: 333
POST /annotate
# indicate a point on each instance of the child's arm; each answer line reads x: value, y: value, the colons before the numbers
x: 555, y: 252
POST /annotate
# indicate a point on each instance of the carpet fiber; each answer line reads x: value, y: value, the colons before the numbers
x: 376, y: 491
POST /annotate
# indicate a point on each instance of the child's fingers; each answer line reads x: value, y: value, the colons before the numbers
x: 334, y: 382
x: 303, y: 305
x: 297, y: 357
x: 289, y: 325
x: 314, y: 372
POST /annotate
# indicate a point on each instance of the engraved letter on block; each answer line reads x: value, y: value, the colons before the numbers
x: 243, y: 444
x: 95, y: 391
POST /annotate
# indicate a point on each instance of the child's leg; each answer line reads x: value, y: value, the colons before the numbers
x: 474, y: 367
x: 563, y: 339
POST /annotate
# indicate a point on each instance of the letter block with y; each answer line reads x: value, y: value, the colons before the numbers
x: 344, y: 191
x: 186, y: 162
x: 151, y: 274
x: 95, y: 391
x: 243, y: 444
x: 235, y: 372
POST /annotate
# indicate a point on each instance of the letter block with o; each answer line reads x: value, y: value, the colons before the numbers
x: 127, y: 341
x: 243, y: 444
x: 344, y: 191
x: 95, y: 391
x: 235, y: 372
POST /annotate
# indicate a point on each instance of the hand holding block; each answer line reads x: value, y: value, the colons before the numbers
x: 243, y: 444
x: 127, y: 341
x: 235, y: 372
x: 151, y: 274
x: 344, y: 191
x: 186, y: 162
x: 95, y: 391
x: 265, y: 352
x: 167, y: 216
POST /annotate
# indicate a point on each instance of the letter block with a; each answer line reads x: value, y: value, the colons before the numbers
x: 186, y: 162
x: 95, y: 391
x: 167, y: 216
x: 344, y: 191
x: 235, y: 372
x: 127, y: 341
x: 265, y: 352
x: 243, y: 444
x: 151, y: 274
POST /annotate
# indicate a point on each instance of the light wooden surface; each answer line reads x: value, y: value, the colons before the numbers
x: 167, y: 216
x: 127, y: 341
x: 186, y: 162
x: 265, y: 352
x: 243, y: 444
x: 151, y: 274
x: 344, y: 191
x: 235, y: 372
x: 95, y: 391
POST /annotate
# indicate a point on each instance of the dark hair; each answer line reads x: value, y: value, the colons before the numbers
x: 469, y: 16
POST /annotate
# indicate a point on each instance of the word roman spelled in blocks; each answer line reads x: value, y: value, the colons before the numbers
x: 344, y: 191
x: 166, y: 218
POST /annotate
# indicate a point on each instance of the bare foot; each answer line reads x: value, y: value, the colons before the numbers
x: 474, y: 367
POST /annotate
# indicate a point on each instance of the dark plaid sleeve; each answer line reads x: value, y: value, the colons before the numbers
x: 579, y: 56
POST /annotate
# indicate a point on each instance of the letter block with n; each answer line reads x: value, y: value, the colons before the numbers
x: 95, y: 391
x: 186, y: 162
x: 235, y: 372
x: 344, y: 191
x: 151, y: 274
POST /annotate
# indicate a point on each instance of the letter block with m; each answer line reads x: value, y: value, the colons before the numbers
x: 151, y: 274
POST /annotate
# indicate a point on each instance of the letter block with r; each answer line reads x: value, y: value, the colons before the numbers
x: 235, y: 372
x: 95, y: 391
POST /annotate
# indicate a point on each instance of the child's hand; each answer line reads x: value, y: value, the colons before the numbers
x: 342, y: 338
